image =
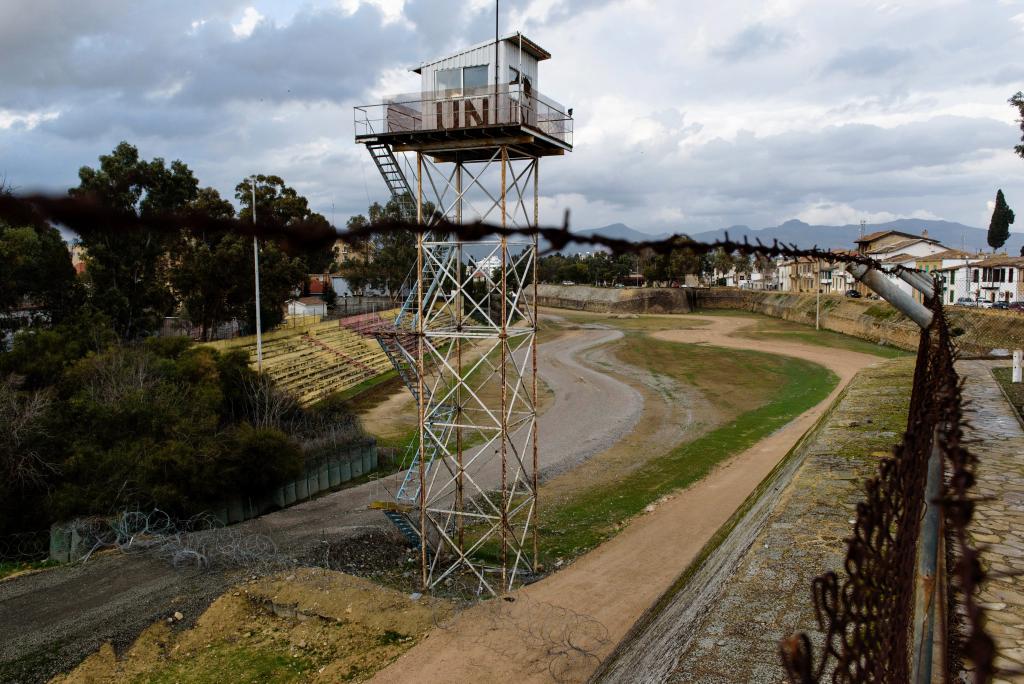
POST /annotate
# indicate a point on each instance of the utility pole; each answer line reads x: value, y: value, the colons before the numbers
x: 817, y: 296
x: 256, y: 266
x: 497, y: 73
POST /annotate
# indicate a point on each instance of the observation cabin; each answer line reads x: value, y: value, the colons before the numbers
x: 481, y: 97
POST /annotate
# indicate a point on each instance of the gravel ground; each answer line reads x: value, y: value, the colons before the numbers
x: 50, y: 621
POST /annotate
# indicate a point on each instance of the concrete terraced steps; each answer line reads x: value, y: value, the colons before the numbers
x: 314, y: 361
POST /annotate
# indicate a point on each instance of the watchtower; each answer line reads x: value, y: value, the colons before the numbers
x: 467, y: 147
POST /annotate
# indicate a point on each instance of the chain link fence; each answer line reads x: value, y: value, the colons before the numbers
x: 876, y: 615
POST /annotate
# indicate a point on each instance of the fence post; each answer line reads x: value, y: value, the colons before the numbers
x: 890, y: 292
x: 919, y: 282
x: 926, y: 589
x: 1018, y: 363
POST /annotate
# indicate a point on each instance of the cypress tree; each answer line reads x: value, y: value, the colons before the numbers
x: 999, y: 227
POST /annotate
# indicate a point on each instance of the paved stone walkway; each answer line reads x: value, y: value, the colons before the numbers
x: 997, y: 439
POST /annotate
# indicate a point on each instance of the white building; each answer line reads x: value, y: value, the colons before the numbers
x: 996, y: 279
x: 307, y: 306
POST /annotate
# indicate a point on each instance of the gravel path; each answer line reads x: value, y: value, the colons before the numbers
x: 49, y: 621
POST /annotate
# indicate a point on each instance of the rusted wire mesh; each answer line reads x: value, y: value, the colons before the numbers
x: 982, y: 332
x: 866, y: 613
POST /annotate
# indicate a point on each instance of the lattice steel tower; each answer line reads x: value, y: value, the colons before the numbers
x: 464, y: 341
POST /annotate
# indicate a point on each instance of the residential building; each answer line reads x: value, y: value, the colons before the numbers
x: 996, y: 279
x: 945, y: 264
x: 77, y: 257
x: 887, y: 243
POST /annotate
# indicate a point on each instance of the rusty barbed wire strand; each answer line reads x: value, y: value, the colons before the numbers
x: 85, y: 214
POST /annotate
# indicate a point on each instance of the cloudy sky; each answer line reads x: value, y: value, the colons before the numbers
x: 689, y: 115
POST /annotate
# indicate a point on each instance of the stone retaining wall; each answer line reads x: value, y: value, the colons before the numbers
x: 72, y: 540
x: 978, y: 332
x: 616, y: 300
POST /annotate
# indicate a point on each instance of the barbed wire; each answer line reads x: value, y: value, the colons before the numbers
x: 87, y: 214
x: 25, y: 546
x: 201, y: 542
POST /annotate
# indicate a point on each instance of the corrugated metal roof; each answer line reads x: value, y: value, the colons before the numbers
x: 528, y: 46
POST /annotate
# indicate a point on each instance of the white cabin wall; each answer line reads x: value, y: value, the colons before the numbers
x: 508, y: 55
x: 511, y: 58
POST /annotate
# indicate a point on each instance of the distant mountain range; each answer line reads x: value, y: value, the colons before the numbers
x: 802, y: 234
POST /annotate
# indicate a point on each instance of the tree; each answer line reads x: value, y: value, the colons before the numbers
x: 126, y: 271
x: 391, y: 255
x: 283, y: 205
x: 37, y: 275
x: 722, y: 261
x: 206, y: 267
x: 1017, y: 101
x: 330, y: 296
x: 999, y: 226
x: 280, y: 273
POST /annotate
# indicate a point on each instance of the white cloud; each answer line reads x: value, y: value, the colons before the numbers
x: 391, y: 10
x: 827, y: 213
x: 25, y: 120
x: 247, y: 24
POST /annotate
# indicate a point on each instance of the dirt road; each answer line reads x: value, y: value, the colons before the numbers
x: 51, y: 620
x: 561, y: 627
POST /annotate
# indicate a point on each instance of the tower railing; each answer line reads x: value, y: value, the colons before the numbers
x: 465, y: 109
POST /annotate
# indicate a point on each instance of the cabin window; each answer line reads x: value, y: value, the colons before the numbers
x: 448, y: 79
x: 474, y: 77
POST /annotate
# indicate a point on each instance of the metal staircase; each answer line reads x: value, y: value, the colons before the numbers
x: 396, y: 181
x: 397, y: 346
x: 398, y: 340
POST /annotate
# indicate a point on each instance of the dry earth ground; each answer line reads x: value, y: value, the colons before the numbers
x: 560, y: 627
x: 545, y: 616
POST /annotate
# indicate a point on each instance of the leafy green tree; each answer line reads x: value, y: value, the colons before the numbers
x: 158, y: 435
x: 330, y: 296
x: 285, y: 206
x: 1017, y: 101
x: 206, y: 267
x: 37, y: 275
x: 999, y: 226
x: 126, y: 271
x: 390, y: 255
x: 722, y: 261
x: 40, y: 355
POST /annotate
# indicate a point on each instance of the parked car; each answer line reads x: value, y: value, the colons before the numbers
x: 966, y: 301
x: 853, y: 294
x: 984, y: 304
x: 1017, y: 306
x: 568, y: 282
x: 1001, y: 305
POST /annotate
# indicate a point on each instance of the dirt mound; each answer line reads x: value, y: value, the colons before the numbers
x: 309, y: 625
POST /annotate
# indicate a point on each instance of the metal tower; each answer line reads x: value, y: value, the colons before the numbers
x: 464, y: 341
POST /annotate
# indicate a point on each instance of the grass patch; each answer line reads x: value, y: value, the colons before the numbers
x: 366, y: 385
x: 8, y: 568
x: 756, y: 393
x: 1014, y: 391
x: 882, y: 312
x: 230, y: 663
x: 777, y: 329
x: 577, y: 526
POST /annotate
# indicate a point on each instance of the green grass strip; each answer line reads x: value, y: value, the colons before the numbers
x: 572, y: 528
